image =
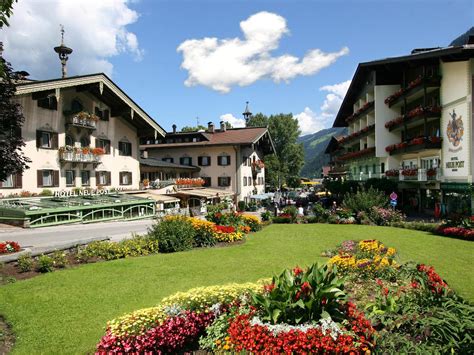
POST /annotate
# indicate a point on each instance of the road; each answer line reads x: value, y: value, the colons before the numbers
x: 77, y: 233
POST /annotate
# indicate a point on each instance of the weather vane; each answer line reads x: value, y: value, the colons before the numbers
x: 63, y: 52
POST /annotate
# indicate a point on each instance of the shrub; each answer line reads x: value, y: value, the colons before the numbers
x: 173, y: 234
x: 320, y: 213
x: 46, y: 192
x: 25, y: 262
x: 384, y: 216
x: 421, y: 226
x: 59, y: 259
x: 107, y: 250
x: 242, y: 205
x: 297, y: 296
x: 44, y: 264
x: 292, y: 211
x: 282, y: 219
x: 365, y: 200
x: 266, y: 215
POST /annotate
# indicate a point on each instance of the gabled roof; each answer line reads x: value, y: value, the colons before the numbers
x: 388, y: 67
x: 232, y: 136
x: 101, y: 86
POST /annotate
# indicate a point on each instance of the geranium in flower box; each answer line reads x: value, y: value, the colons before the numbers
x: 417, y: 141
x: 9, y: 247
x: 392, y: 172
x: 410, y: 172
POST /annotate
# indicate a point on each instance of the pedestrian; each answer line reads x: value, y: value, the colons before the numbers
x: 300, y: 211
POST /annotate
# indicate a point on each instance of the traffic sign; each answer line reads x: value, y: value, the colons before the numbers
x: 393, y: 196
x: 393, y: 203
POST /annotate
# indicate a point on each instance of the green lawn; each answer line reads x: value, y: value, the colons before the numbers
x: 65, y: 312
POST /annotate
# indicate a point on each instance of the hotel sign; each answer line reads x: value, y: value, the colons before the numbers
x: 70, y: 193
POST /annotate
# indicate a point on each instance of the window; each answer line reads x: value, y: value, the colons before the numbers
x: 12, y: 181
x: 69, y: 140
x: 102, y: 114
x: 50, y: 102
x: 85, y: 142
x: 168, y: 160
x: 70, y: 178
x: 8, y: 182
x: 102, y: 178
x: 382, y: 168
x: 374, y: 169
x: 223, y: 160
x: 85, y: 177
x: 244, y: 160
x: 207, y: 181
x: 104, y: 144
x: 46, y: 140
x: 204, y: 161
x: 245, y: 180
x: 186, y: 161
x: 48, y: 178
x: 125, y: 178
x: 223, y: 181
x: 125, y: 149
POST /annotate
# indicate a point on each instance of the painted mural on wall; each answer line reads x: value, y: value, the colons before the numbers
x: 455, y: 129
x: 455, y: 155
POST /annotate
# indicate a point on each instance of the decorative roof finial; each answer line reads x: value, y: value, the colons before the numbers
x: 63, y: 53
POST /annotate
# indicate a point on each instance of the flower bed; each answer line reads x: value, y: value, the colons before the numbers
x: 459, y: 232
x: 9, y: 246
x: 306, y: 311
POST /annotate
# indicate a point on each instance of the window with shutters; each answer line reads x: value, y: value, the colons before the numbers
x: 8, y: 182
x: 12, y: 181
x: 186, y: 161
x: 223, y: 181
x: 103, y: 178
x: 46, y: 139
x: 125, y: 149
x: 70, y: 178
x: 104, y: 144
x: 204, y: 161
x: 223, y: 160
x: 168, y: 160
x: 85, y: 178
x: 50, y: 102
x: 125, y: 178
x: 48, y: 178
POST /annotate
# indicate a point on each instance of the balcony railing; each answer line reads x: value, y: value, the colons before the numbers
x: 413, y: 89
x: 414, y: 145
x: 363, y: 176
x: 358, y: 135
x: 419, y: 113
x: 357, y: 155
x: 83, y: 120
x: 418, y: 174
x: 78, y: 157
x: 368, y: 107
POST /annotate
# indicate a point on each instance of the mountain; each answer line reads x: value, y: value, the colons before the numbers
x: 314, y: 146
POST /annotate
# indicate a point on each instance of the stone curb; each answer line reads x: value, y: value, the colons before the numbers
x: 35, y: 251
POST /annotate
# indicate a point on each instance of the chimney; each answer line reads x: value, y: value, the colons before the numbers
x: 223, y: 126
x: 210, y: 127
x: 174, y: 128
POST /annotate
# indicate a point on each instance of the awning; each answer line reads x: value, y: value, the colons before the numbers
x: 159, y: 198
x: 262, y: 196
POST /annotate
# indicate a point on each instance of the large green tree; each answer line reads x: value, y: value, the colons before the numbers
x: 285, y: 165
x: 12, y: 160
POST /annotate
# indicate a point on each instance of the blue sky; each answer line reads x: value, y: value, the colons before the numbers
x: 136, y: 43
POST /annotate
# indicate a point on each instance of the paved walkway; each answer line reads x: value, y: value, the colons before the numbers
x: 41, y: 240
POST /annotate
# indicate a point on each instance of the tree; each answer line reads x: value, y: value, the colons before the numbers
x: 12, y: 160
x: 6, y: 10
x: 193, y: 129
x: 285, y: 165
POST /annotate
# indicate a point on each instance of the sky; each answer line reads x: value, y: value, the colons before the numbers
x: 194, y: 61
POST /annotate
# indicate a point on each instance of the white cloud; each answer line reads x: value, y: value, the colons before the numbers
x: 234, y: 121
x: 311, y: 122
x: 223, y: 63
x: 95, y: 30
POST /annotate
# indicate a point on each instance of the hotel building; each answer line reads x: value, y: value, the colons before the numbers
x: 410, y: 119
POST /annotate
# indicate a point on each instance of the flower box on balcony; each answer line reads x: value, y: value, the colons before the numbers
x: 392, y: 173
x: 415, y: 144
x: 84, y: 120
x: 356, y: 155
x: 79, y: 155
x: 419, y: 112
x: 412, y: 87
x: 364, y: 109
x: 359, y: 134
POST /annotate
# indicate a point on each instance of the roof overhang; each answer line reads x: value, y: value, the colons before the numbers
x: 101, y: 86
x: 389, y: 68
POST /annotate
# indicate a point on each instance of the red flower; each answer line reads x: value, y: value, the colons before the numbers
x: 297, y: 270
x: 268, y: 288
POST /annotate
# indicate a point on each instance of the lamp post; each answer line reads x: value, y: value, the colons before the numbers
x: 63, y: 53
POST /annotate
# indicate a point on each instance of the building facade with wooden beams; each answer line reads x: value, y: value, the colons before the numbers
x: 227, y: 159
x: 80, y: 132
x: 410, y: 119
